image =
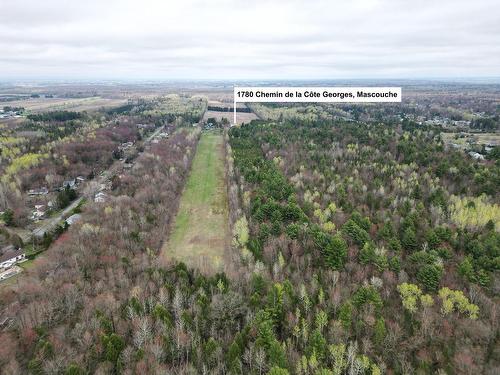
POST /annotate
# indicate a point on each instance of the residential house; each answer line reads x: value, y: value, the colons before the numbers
x: 40, y: 191
x: 69, y: 183
x: 38, y: 213
x: 73, y: 219
x: 126, y: 145
x: 12, y: 271
x: 100, y: 197
x: 476, y: 155
x: 10, y: 256
x: 145, y: 126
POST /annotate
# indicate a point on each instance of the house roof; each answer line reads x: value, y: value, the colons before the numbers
x: 42, y: 190
x: 73, y: 219
x: 10, y: 254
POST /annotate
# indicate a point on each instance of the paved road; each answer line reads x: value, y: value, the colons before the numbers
x: 52, y: 222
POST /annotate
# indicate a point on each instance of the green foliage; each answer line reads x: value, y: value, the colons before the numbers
x: 277, y: 354
x: 332, y: 248
x: 395, y: 264
x: 421, y: 258
x: 65, y: 197
x: 8, y: 217
x: 113, y: 345
x: 278, y: 371
x: 25, y: 161
x: 55, y: 116
x: 362, y: 222
x: 385, y: 174
x: 162, y: 314
x: 267, y: 339
x: 35, y: 367
x: 369, y: 254
x: 410, y: 294
x: 258, y: 284
x: 430, y: 276
x: 209, y: 349
x: 317, y: 345
x: 74, y: 369
x: 292, y: 230
x: 409, y: 240
x: 474, y: 212
x: 379, y: 331
x: 234, y: 353
x: 455, y: 300
x: 345, y: 314
x: 324, y: 371
x: 432, y: 239
x: 387, y: 231
x: 357, y: 234
x: 240, y: 232
x: 366, y: 295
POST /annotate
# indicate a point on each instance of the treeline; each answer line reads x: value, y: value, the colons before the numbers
x: 486, y: 123
x: 229, y: 109
x: 48, y: 132
x: 56, y: 116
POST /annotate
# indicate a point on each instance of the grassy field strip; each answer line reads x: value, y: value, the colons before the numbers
x: 200, y: 232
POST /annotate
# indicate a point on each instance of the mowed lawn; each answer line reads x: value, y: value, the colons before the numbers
x: 200, y: 230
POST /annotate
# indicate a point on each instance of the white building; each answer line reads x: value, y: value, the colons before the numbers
x: 100, y: 197
x: 10, y: 256
x: 41, y: 191
x: 73, y: 219
x: 476, y: 155
x: 38, y: 213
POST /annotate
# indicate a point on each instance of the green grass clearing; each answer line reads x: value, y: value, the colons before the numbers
x: 200, y: 232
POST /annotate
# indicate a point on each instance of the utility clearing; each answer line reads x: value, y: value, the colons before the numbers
x: 200, y: 233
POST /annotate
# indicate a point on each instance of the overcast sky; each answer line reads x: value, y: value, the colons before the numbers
x: 224, y: 39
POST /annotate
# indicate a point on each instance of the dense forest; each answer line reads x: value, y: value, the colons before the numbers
x: 378, y: 240
x: 357, y: 249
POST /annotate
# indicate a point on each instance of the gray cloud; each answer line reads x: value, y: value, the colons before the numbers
x: 242, y: 39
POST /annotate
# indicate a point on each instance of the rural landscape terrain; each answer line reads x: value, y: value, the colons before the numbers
x: 143, y: 232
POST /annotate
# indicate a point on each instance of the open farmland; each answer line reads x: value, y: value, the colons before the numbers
x: 200, y: 233
x: 37, y: 105
x: 467, y: 140
x: 241, y: 117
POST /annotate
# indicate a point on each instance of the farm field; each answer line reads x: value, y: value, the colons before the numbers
x: 226, y: 103
x: 241, y: 117
x: 476, y: 138
x: 200, y: 232
x: 51, y: 104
